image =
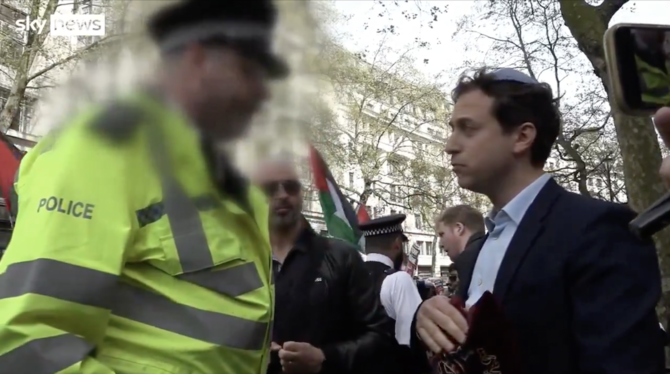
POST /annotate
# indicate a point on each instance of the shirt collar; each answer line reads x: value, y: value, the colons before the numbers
x: 517, y: 207
x: 377, y: 257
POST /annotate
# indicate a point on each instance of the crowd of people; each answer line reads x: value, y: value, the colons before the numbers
x: 182, y: 265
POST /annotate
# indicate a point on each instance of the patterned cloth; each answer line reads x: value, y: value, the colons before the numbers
x: 490, y: 347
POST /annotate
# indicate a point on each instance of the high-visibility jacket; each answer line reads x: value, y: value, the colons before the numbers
x: 655, y: 83
x: 126, y: 258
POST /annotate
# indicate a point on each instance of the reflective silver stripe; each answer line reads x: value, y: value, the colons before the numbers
x: 59, y: 280
x: 187, y: 231
x: 46, y: 355
x: 216, y: 328
x: 90, y: 287
x: 235, y: 31
x: 232, y: 282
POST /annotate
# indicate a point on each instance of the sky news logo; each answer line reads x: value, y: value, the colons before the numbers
x: 66, y: 25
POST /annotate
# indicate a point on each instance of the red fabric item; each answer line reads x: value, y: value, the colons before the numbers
x: 318, y: 170
x: 490, y: 347
x: 362, y: 214
x: 10, y: 157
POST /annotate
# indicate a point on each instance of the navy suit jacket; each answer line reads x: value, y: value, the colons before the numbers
x: 579, y: 288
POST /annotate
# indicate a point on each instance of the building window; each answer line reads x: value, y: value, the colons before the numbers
x: 589, y: 182
x: 351, y: 179
x: 422, y: 247
x: 429, y: 248
x: 395, y: 194
x: 393, y: 211
x: 417, y: 222
x: 86, y: 7
x: 599, y: 183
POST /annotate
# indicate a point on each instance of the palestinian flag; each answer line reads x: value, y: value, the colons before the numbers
x: 340, y: 217
x: 10, y: 157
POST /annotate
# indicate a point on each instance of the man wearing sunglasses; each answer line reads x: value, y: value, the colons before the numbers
x: 327, y: 317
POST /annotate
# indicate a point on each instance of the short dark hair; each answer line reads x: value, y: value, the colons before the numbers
x: 468, y: 216
x: 515, y: 103
x: 452, y: 267
x: 380, y: 243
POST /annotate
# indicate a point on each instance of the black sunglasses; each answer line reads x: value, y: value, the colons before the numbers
x: 292, y: 187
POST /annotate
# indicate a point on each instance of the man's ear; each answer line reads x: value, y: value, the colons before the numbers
x: 459, y: 229
x: 525, y: 136
x: 397, y: 244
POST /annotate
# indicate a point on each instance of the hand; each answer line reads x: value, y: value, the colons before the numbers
x: 662, y: 123
x: 436, y: 321
x: 302, y: 358
x: 274, y: 347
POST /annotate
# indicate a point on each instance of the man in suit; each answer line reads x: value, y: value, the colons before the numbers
x: 578, y: 288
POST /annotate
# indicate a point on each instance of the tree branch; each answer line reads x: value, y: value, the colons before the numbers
x: 69, y: 58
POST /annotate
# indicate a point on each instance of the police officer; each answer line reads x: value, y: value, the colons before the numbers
x: 137, y: 247
x: 384, y: 240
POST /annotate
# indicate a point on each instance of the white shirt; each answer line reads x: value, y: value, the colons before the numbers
x: 400, y: 298
x: 502, y: 226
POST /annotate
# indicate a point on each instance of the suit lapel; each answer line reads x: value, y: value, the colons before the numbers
x: 532, y: 224
x: 465, y: 265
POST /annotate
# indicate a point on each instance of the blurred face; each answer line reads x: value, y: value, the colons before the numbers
x: 225, y: 89
x: 453, y: 279
x: 481, y: 154
x: 451, y: 238
x: 282, y: 186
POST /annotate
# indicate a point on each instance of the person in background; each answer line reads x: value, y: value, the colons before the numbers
x: 384, y: 240
x: 452, y: 286
x: 577, y: 286
x: 327, y: 317
x: 458, y: 227
x: 137, y: 246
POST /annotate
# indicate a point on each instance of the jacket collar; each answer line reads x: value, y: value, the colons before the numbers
x: 530, y: 227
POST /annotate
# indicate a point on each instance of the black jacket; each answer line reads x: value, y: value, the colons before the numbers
x: 340, y: 313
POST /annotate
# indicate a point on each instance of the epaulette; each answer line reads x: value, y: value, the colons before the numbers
x: 119, y: 120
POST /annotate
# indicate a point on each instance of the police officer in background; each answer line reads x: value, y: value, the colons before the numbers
x: 168, y: 267
x: 384, y: 239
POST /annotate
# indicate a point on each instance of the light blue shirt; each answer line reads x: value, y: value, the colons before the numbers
x: 501, y: 226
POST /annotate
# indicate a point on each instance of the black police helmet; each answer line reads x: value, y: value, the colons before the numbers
x: 246, y: 26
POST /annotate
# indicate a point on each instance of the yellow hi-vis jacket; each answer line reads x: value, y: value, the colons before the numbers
x: 655, y: 83
x: 116, y: 267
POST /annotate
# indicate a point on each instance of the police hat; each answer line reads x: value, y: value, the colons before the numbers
x: 246, y: 26
x: 384, y: 226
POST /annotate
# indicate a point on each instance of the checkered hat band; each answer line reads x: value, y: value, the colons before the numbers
x: 383, y: 230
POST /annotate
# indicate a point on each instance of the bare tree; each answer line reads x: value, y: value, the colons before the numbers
x: 538, y: 43
x: 30, y: 55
